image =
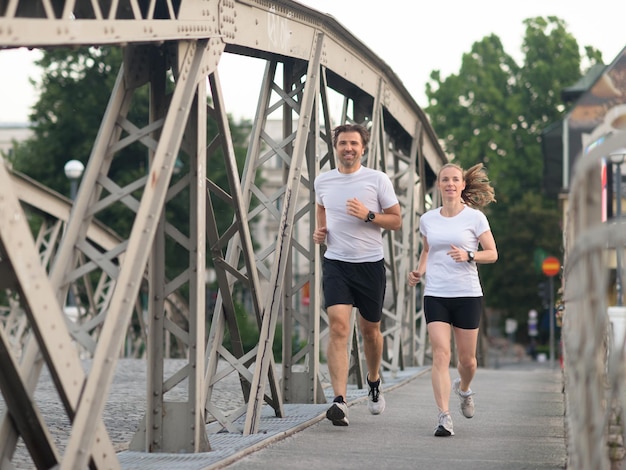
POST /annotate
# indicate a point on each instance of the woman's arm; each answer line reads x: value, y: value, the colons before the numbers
x: 489, y: 253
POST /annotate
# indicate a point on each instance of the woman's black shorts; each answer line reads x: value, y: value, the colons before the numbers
x: 359, y: 284
x: 462, y: 312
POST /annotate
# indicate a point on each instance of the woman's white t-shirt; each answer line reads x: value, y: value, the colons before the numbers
x: 445, y: 277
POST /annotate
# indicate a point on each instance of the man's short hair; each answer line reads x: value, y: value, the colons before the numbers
x: 365, y: 134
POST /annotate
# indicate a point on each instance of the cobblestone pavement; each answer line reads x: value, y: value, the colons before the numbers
x: 124, y: 409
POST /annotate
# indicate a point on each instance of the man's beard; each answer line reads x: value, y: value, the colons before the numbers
x: 349, y: 163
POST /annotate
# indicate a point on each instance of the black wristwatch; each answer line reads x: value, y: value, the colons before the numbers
x: 470, y: 256
x: 370, y: 216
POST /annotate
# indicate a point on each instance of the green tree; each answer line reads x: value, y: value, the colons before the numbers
x: 74, y: 91
x: 493, y: 111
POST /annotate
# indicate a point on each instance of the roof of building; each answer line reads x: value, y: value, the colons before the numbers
x: 595, y: 97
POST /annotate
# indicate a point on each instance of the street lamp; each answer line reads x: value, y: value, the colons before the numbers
x: 73, y: 172
x: 617, y: 159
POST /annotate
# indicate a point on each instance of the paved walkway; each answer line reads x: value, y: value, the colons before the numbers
x: 519, y: 424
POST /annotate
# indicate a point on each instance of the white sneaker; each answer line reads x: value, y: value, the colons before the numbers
x: 338, y: 413
x: 444, y: 425
x: 376, y: 400
x: 467, y: 402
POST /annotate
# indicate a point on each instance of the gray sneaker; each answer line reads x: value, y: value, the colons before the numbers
x: 338, y: 413
x: 376, y: 401
x: 467, y: 402
x: 444, y: 425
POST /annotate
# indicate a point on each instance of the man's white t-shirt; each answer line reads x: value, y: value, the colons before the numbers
x: 445, y: 277
x: 349, y: 238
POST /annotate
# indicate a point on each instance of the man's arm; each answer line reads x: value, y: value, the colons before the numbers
x: 390, y: 219
x: 319, y: 234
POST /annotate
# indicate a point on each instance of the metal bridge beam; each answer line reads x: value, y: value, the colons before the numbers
x: 311, y: 59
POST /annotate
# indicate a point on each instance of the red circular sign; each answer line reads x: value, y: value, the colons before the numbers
x: 551, y: 266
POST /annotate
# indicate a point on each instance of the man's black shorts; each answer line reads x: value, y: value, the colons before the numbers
x: 462, y: 312
x: 359, y: 284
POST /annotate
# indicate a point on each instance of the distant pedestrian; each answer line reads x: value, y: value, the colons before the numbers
x: 354, y: 205
x: 453, y: 296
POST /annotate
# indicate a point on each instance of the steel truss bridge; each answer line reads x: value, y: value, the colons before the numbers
x: 309, y: 59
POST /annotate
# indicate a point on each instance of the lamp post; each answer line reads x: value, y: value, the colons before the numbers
x: 73, y: 171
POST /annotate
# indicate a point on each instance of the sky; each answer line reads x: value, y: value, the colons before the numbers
x: 413, y: 38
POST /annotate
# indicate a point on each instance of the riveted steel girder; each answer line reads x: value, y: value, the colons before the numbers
x: 264, y: 262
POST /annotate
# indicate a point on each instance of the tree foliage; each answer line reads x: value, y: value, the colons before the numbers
x: 73, y: 94
x: 493, y: 111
